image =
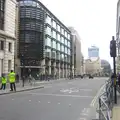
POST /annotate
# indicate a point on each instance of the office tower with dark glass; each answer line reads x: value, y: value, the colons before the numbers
x: 44, y: 41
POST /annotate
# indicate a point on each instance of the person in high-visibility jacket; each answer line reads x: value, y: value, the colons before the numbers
x: 3, y: 82
x: 12, y: 77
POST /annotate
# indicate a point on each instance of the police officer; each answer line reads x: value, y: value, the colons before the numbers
x: 4, y: 81
x: 12, y: 77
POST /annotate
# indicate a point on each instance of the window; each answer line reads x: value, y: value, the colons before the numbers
x: 48, y: 41
x: 65, y: 34
x: 62, y: 40
x: 68, y: 36
x: 58, y: 37
x: 48, y: 20
x: 54, y: 24
x: 47, y: 52
x: 2, y: 4
x: 62, y: 57
x: 53, y: 54
x: 1, y: 45
x: 57, y: 55
x: 58, y: 46
x: 10, y: 47
x: 54, y: 44
x: 68, y: 44
x: 54, y: 34
x: 65, y: 42
x: 62, y: 48
x: 9, y: 65
x: 58, y: 28
x: 48, y: 30
x: 66, y: 50
x: 62, y: 31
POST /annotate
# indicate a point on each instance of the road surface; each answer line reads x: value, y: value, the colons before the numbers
x: 65, y: 100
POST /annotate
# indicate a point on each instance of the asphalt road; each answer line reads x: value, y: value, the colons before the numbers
x: 65, y: 100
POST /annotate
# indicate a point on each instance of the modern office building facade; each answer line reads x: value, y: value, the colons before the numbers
x: 7, y: 35
x: 44, y: 41
x: 93, y: 51
x: 77, y: 56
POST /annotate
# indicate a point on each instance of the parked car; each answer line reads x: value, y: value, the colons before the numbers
x: 91, y: 77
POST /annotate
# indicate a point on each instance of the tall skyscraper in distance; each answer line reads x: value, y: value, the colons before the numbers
x: 93, y: 51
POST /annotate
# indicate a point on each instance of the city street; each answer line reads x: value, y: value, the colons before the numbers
x: 65, y: 100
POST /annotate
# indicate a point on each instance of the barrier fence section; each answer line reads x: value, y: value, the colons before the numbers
x: 106, y: 101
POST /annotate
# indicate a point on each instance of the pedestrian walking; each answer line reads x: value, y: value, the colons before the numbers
x: 12, y: 77
x: 3, y: 82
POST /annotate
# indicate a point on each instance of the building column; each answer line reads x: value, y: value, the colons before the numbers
x: 43, y: 66
x: 49, y: 64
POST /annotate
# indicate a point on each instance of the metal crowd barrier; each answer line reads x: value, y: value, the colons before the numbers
x: 106, y: 100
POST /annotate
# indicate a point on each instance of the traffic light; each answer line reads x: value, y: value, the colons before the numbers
x: 113, y: 48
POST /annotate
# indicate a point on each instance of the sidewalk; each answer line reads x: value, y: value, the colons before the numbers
x: 27, y: 86
x: 116, y: 109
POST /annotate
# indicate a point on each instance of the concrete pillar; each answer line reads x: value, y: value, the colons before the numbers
x: 43, y: 66
x: 49, y: 64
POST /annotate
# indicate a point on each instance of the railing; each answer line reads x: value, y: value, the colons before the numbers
x: 106, y: 102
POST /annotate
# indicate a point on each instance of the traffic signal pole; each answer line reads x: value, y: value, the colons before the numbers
x: 115, y: 77
x: 113, y: 55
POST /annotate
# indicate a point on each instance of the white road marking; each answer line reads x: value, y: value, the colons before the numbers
x: 85, y: 110
x: 58, y: 103
x: 12, y: 99
x: 60, y: 95
x: 82, y: 119
x: 29, y: 100
x: 39, y: 101
x: 69, y: 104
x: 96, y: 97
x: 48, y: 102
x: 84, y: 114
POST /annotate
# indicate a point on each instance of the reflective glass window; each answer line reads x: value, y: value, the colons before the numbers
x: 48, y: 20
x: 58, y: 46
x: 54, y: 34
x: 62, y: 31
x: 62, y: 57
x: 57, y: 55
x: 66, y: 50
x: 65, y: 57
x: 21, y: 3
x: 62, y: 40
x: 48, y: 52
x: 53, y: 54
x: 48, y: 30
x: 58, y: 28
x: 68, y: 36
x: 62, y: 48
x: 48, y: 41
x: 65, y: 34
x: 58, y: 37
x: 65, y: 41
x: 54, y: 24
x: 68, y: 44
x: 54, y: 44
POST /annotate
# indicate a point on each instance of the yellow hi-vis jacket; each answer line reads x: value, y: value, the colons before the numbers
x: 4, y: 80
x: 12, y: 77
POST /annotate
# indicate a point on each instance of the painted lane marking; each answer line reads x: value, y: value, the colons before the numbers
x: 12, y: 99
x: 39, y: 101
x: 48, y: 102
x: 82, y: 119
x: 29, y: 100
x: 60, y: 95
x: 58, y: 103
x: 97, y: 95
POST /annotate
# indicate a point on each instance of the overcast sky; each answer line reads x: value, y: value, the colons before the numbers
x: 95, y: 21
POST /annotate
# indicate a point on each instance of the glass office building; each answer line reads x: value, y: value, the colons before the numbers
x: 44, y: 42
